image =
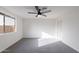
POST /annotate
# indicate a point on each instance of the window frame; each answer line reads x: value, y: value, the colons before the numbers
x: 4, y: 15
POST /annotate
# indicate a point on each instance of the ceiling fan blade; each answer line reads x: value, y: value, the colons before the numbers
x: 46, y: 11
x: 37, y: 8
x: 44, y: 15
x: 44, y: 8
x: 32, y: 13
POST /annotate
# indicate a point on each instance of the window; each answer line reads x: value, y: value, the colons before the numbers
x: 1, y: 24
x: 7, y: 24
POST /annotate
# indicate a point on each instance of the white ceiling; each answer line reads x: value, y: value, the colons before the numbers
x: 22, y: 11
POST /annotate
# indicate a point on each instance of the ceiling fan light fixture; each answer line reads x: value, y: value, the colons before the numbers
x: 39, y: 13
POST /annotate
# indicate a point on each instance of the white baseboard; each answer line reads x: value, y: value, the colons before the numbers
x: 11, y: 44
x: 71, y: 46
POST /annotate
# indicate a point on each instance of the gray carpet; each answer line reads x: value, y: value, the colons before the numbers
x: 31, y: 46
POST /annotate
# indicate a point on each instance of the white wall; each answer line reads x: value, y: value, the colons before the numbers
x: 33, y: 28
x: 70, y: 28
x: 7, y: 39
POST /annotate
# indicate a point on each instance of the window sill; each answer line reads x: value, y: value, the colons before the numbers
x: 7, y: 33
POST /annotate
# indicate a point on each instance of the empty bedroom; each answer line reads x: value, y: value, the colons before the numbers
x: 39, y: 29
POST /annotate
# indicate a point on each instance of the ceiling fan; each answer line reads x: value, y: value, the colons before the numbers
x: 40, y: 11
